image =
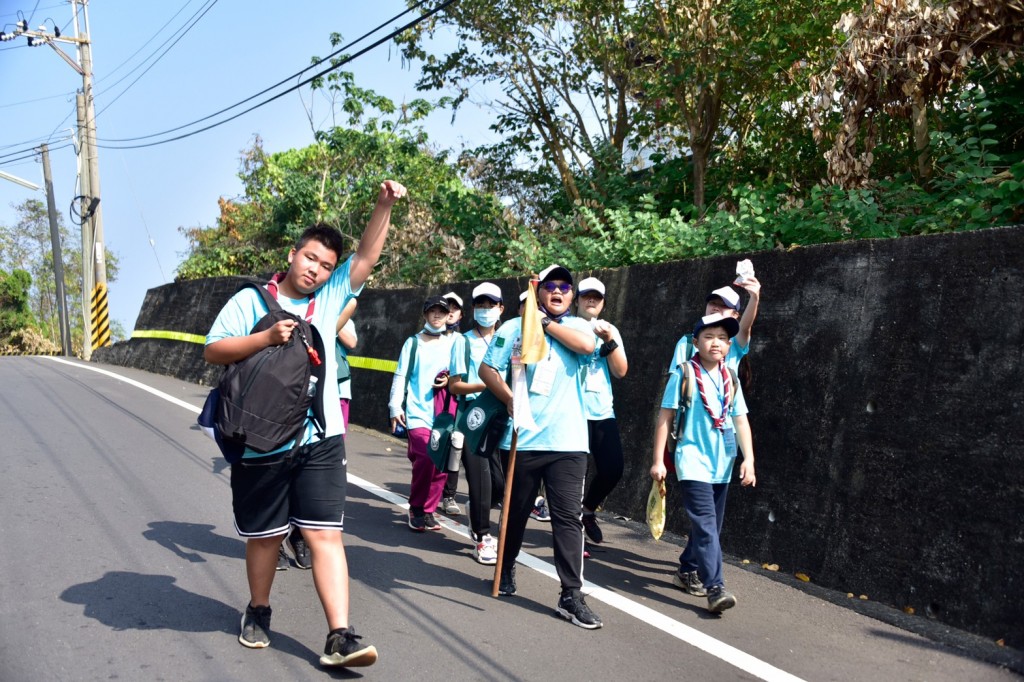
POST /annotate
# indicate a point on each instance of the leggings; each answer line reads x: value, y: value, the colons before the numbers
x: 606, y: 447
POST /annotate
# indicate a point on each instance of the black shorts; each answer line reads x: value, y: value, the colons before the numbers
x: 306, y: 488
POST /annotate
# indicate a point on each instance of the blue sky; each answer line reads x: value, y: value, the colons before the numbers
x: 237, y: 49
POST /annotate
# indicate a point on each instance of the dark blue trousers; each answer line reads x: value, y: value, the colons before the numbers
x: 705, y: 505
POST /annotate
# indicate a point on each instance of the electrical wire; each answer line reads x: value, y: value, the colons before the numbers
x: 209, y: 6
x: 333, y: 67
x: 283, y: 81
x: 143, y: 46
x: 31, y: 154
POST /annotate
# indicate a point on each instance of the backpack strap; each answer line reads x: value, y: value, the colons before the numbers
x: 412, y: 368
x: 686, y: 390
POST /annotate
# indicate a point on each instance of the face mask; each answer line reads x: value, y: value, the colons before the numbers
x: 433, y: 331
x: 486, y: 317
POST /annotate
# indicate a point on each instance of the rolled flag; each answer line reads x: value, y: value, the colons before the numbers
x: 535, y: 344
x: 534, y: 349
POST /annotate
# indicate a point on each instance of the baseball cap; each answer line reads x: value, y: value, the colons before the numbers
x: 591, y: 284
x: 436, y: 302
x: 489, y: 290
x: 555, y: 272
x: 454, y: 298
x: 727, y: 322
x: 728, y: 296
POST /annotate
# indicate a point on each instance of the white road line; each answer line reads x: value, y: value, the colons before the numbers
x: 674, y: 628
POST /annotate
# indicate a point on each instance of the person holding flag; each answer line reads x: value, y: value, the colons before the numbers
x: 546, y: 349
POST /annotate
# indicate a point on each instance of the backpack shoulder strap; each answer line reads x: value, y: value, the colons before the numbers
x: 686, y: 389
x: 411, y: 369
x: 268, y: 300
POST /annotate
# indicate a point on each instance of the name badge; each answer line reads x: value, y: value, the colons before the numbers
x: 730, y: 442
x: 594, y: 383
x: 543, y: 377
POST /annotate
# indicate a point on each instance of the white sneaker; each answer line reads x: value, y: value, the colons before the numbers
x: 486, y: 551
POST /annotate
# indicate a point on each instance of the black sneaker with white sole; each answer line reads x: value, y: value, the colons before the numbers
x: 719, y: 600
x: 300, y: 549
x: 573, y: 608
x: 344, y: 650
x: 689, y: 582
x: 282, y: 559
x: 255, y: 627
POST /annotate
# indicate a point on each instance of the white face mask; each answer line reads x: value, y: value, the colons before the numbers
x: 434, y: 330
x: 486, y: 317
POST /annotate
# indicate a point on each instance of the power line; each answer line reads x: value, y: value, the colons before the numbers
x: 29, y: 155
x: 209, y: 6
x: 295, y: 75
x: 145, y: 44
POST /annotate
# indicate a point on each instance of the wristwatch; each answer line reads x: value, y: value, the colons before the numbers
x: 544, y: 322
x: 608, y: 348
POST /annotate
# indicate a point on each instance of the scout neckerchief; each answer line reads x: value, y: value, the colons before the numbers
x: 717, y: 422
x: 314, y: 357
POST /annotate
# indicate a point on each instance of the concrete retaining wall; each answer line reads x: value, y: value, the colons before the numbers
x: 885, y: 403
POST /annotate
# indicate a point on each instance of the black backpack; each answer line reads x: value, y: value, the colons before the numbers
x: 264, y: 399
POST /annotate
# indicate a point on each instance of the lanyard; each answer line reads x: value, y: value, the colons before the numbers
x: 314, y: 357
x: 272, y: 288
x: 717, y: 422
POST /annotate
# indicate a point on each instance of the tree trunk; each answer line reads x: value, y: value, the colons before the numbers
x: 919, y: 112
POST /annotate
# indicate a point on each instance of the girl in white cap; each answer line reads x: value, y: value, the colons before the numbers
x: 483, y: 474
x: 609, y: 360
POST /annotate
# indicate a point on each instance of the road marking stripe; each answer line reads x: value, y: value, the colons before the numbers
x: 674, y: 628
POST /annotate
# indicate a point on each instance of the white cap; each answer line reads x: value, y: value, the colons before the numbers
x: 555, y: 272
x: 489, y: 290
x: 728, y: 296
x: 591, y: 284
x: 452, y: 296
x: 522, y: 296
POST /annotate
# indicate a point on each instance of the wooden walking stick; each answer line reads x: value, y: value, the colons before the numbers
x: 504, y: 512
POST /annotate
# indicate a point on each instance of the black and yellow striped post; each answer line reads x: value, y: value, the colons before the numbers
x: 99, y: 316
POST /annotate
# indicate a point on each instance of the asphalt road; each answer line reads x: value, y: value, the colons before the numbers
x: 119, y: 561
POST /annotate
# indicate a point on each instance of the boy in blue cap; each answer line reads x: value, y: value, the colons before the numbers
x: 713, y: 424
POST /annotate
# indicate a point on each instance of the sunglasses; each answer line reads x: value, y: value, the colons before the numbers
x: 552, y: 287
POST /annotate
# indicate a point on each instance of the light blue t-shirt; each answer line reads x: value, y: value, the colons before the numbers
x: 685, y: 350
x: 701, y: 453
x: 241, y: 313
x: 598, y: 401
x: 561, y: 424
x: 477, y: 347
x: 431, y: 359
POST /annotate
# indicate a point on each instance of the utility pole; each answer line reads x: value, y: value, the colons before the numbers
x: 58, y: 259
x: 94, y: 284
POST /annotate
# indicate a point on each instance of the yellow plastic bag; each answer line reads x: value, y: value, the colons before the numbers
x: 656, y: 509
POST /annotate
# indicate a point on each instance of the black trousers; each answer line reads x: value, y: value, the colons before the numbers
x: 563, y: 475
x: 606, y: 448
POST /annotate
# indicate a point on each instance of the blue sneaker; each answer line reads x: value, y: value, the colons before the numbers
x: 540, y: 511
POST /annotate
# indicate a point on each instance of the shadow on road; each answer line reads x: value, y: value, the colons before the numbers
x: 179, y: 537
x: 122, y: 600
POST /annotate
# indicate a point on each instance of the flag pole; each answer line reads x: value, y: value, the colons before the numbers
x: 506, y: 497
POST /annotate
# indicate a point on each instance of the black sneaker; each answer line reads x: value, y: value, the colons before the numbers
x: 343, y: 650
x: 689, y: 582
x: 507, y: 584
x: 300, y: 549
x: 573, y: 607
x: 255, y: 627
x: 417, y: 522
x: 430, y: 522
x: 591, y: 528
x: 282, y: 559
x: 719, y: 600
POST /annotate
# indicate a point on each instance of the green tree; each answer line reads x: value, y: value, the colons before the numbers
x: 27, y: 245
x: 335, y: 181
